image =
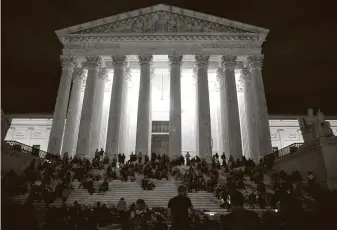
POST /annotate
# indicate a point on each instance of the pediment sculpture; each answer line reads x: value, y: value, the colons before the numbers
x: 161, y: 22
x: 314, y: 126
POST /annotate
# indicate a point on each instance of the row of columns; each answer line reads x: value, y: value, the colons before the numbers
x: 83, y: 137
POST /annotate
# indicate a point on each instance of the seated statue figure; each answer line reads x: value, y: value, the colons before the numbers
x: 313, y: 127
x: 307, y: 124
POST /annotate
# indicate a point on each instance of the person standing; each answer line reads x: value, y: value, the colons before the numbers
x: 178, y: 209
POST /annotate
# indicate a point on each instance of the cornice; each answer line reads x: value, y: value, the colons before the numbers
x: 125, y: 37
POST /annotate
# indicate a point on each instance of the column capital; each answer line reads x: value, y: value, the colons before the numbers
x: 79, y: 74
x: 228, y: 61
x: 102, y: 73
x: 68, y: 61
x: 145, y: 59
x: 94, y: 61
x: 255, y: 62
x: 202, y: 61
x: 175, y: 59
x: 119, y: 60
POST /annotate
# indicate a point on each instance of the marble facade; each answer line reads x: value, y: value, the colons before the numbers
x: 213, y: 95
x: 35, y: 129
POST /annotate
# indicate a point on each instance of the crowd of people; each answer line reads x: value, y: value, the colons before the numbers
x: 227, y: 179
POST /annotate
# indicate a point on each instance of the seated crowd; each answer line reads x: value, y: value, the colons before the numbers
x: 227, y: 180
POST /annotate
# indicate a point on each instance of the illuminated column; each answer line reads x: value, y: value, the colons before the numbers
x: 113, y: 145
x: 152, y: 75
x: 251, y: 116
x: 102, y: 77
x: 242, y: 113
x: 74, y: 111
x: 144, y: 105
x: 175, y: 106
x: 230, y: 119
x: 60, y: 111
x: 88, y: 109
x: 204, y: 120
x: 263, y: 129
x: 124, y: 128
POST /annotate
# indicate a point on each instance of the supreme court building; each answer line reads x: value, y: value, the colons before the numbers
x: 163, y: 78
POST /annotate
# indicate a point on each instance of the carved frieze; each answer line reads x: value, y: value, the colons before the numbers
x: 162, y: 22
x: 103, y: 42
x: 19, y: 133
x: 38, y: 134
x: 292, y: 136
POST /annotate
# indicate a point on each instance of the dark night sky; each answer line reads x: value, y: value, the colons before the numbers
x: 300, y: 52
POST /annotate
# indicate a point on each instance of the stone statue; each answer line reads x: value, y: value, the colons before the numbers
x: 313, y: 127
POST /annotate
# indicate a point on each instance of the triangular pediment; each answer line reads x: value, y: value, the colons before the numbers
x: 161, y: 19
x: 161, y: 22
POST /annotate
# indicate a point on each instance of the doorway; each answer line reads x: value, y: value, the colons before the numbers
x: 160, y: 144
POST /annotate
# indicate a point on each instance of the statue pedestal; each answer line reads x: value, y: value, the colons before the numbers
x: 318, y: 156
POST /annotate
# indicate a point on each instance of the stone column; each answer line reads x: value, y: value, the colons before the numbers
x: 123, y: 137
x: 56, y: 133
x: 72, y: 125
x: 144, y: 105
x: 230, y: 119
x: 114, y: 124
x: 255, y: 64
x: 242, y: 113
x: 102, y: 77
x: 175, y: 106
x: 204, y: 127
x: 153, y: 75
x: 251, y: 115
x: 196, y: 121
x: 88, y: 109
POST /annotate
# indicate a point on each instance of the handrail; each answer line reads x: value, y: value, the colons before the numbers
x: 28, y: 150
x: 288, y: 150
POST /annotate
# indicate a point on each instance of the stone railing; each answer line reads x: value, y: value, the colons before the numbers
x: 290, y: 149
x: 26, y: 149
x: 275, y: 155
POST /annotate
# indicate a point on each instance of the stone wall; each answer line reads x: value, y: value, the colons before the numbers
x: 17, y: 161
x: 319, y: 157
